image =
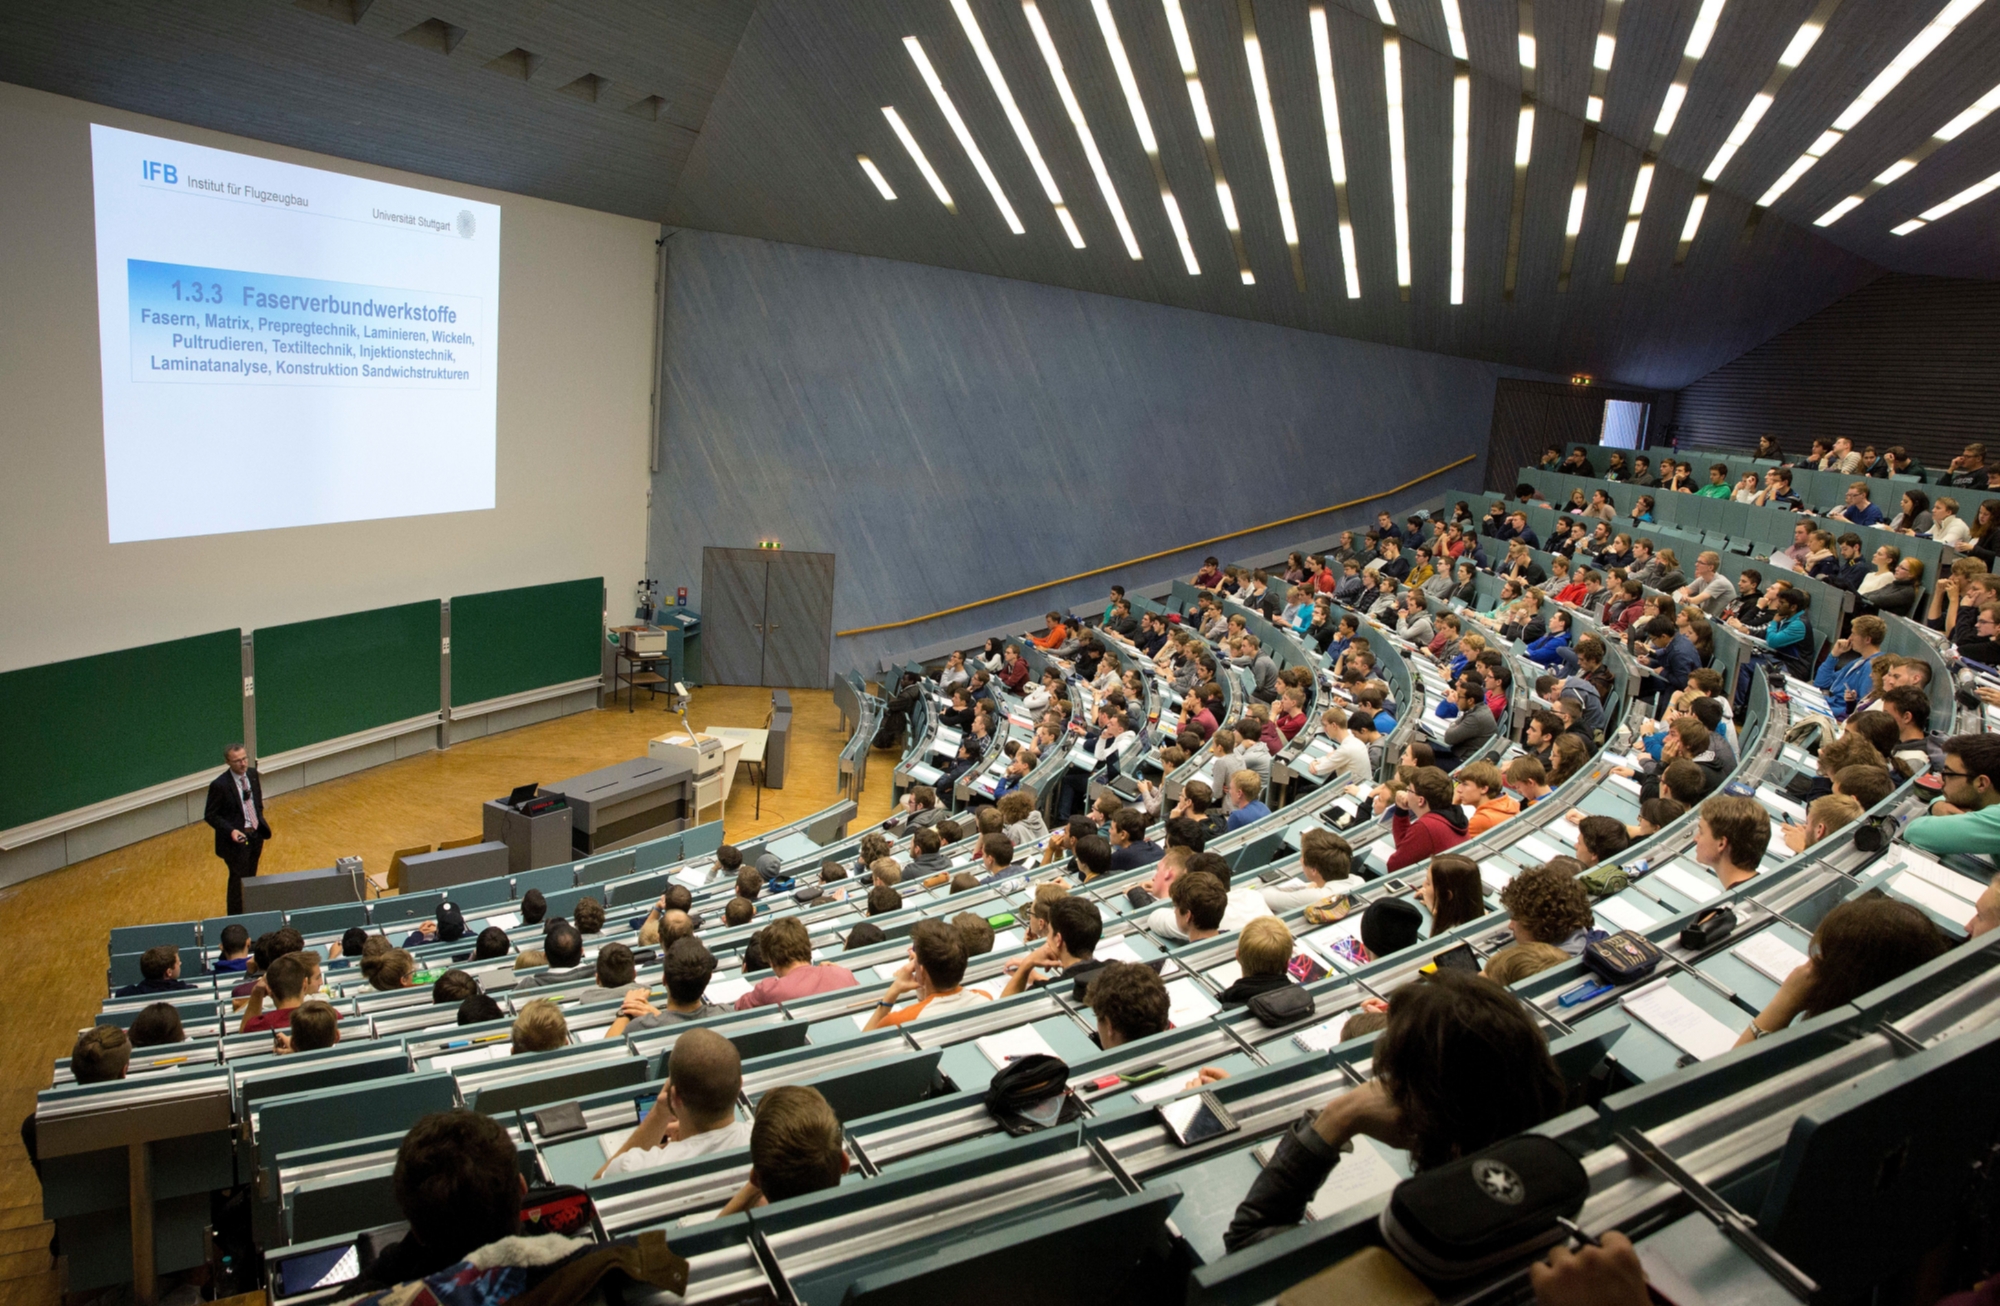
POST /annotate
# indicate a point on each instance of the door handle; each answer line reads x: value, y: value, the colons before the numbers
x: 757, y: 626
x: 774, y: 625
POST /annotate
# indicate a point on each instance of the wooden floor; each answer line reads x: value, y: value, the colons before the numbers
x: 55, y: 929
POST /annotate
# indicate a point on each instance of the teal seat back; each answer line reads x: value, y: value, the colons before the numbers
x: 322, y: 920
x: 655, y: 853
x: 286, y: 1124
x: 549, y: 879
x: 702, y: 841
x: 138, y: 938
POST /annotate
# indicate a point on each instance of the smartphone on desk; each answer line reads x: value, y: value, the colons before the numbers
x: 1460, y: 958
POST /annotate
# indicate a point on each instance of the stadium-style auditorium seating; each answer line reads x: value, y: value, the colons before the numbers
x: 1725, y: 1162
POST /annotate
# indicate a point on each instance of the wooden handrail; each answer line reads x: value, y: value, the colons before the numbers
x: 1164, y: 553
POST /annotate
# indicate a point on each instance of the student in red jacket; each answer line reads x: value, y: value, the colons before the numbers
x: 1426, y: 822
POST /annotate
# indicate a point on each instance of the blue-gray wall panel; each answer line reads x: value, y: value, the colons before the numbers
x: 952, y: 436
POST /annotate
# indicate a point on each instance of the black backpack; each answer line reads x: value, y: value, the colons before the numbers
x: 1031, y: 1094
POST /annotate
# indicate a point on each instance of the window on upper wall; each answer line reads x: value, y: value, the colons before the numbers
x: 1624, y: 423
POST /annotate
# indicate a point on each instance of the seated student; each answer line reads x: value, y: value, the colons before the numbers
x: 1020, y: 821
x: 315, y: 1026
x: 1075, y: 927
x: 1527, y: 778
x: 1451, y: 892
x: 539, y: 1027
x: 919, y: 808
x: 492, y: 942
x: 459, y: 1185
x: 1480, y: 787
x: 686, y: 968
x: 1444, y: 1032
x: 881, y: 899
x: 927, y: 856
x: 1390, y: 925
x: 1865, y: 784
x: 975, y: 931
x: 1325, y: 864
x: 1860, y: 945
x: 615, y: 967
x: 695, y: 1112
x: 352, y: 945
x: 1600, y: 838
x: 160, y: 971
x: 1093, y: 856
x: 454, y: 987
x: 1129, y: 1000
x: 788, y: 951
x: 447, y: 927
x: 589, y: 916
x: 1732, y: 837
x: 235, y: 950
x: 1426, y: 821
x: 796, y: 1147
x: 1517, y: 961
x: 934, y: 972
x: 741, y: 911
x: 1245, y: 803
x: 1205, y: 910
x: 1263, y: 951
x: 996, y: 853
x: 1548, y: 904
x: 885, y: 871
x: 1967, y: 818
x: 534, y: 906
x: 1130, y: 848
x: 564, y: 946
x: 1655, y: 815
x: 1823, y: 817
x: 289, y: 982
x: 1910, y: 708
x: 749, y: 884
x: 157, y: 1026
x: 475, y: 1010
x: 865, y: 935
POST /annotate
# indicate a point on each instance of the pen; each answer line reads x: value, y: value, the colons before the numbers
x: 1577, y: 1231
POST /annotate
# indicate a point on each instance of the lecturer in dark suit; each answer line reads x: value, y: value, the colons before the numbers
x: 236, y: 810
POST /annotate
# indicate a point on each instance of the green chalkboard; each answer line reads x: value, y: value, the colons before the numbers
x: 82, y: 731
x: 508, y: 641
x: 319, y: 680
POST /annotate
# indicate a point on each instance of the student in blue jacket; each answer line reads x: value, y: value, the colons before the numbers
x: 1847, y: 673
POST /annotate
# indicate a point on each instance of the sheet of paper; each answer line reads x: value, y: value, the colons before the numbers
x: 504, y: 921
x: 1925, y: 894
x: 1624, y: 913
x: 1495, y: 875
x: 887, y: 974
x: 611, y: 1142
x: 990, y: 986
x: 1322, y: 1036
x: 1362, y: 1175
x: 861, y: 1021
x: 1770, y: 955
x: 1564, y: 829
x: 1627, y: 783
x: 473, y: 1056
x: 1779, y: 804
x: 1013, y: 1044
x: 1958, y: 886
x: 1225, y: 974
x: 1009, y: 941
x: 1696, y: 888
x: 1187, y: 1002
x: 724, y: 992
x: 1118, y: 949
x: 1537, y: 847
x: 925, y: 775
x: 1674, y: 1016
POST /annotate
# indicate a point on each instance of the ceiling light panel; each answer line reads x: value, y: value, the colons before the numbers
x: 964, y: 134
x: 1705, y: 21
x: 1461, y: 162
x: 1267, y: 119
x: 1336, y: 151
x: 916, y: 154
x: 1524, y: 144
x: 1005, y: 95
x: 1399, y: 173
x: 1084, y: 135
x: 1915, y: 52
x: 1794, y: 54
x: 1142, y: 123
x: 875, y: 175
x: 1979, y: 108
x: 1977, y: 191
x: 1198, y: 101
x: 1600, y: 81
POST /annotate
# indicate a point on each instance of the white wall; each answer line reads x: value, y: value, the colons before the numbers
x: 576, y: 341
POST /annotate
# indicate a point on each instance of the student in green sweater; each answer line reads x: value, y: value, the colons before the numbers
x: 1967, y: 818
x: 1718, y: 483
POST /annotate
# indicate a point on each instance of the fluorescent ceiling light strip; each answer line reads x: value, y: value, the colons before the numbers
x: 875, y: 175
x: 1399, y: 177
x: 1083, y: 133
x: 1267, y: 118
x: 1801, y: 44
x: 1143, y: 124
x: 917, y: 157
x: 1385, y: 13
x: 1336, y: 151
x: 1915, y: 52
x: 1600, y: 63
x: 1454, y: 26
x: 1524, y: 145
x: 1979, y: 108
x: 1005, y: 95
x: 1704, y: 28
x: 1670, y: 109
x: 1963, y: 198
x: 1579, y: 197
x: 1224, y: 199
x: 1461, y: 162
x: 964, y: 134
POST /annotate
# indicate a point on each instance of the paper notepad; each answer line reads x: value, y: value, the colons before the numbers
x: 1770, y: 955
x: 1159, y: 1092
x: 1013, y: 1044
x: 1119, y: 949
x: 887, y: 974
x: 611, y: 1142
x: 1674, y: 1016
x: 1624, y: 782
x: 491, y: 1052
x: 1322, y: 1036
x: 723, y: 992
x: 1958, y: 886
x: 1361, y: 1176
x: 504, y: 921
x: 1925, y: 894
x: 1008, y: 941
x: 1225, y: 974
x: 1537, y: 847
x: 1690, y: 886
x: 1624, y: 913
x: 1495, y: 875
x: 1187, y: 1002
x: 1779, y: 804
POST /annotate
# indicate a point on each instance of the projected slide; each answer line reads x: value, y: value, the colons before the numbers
x: 284, y: 346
